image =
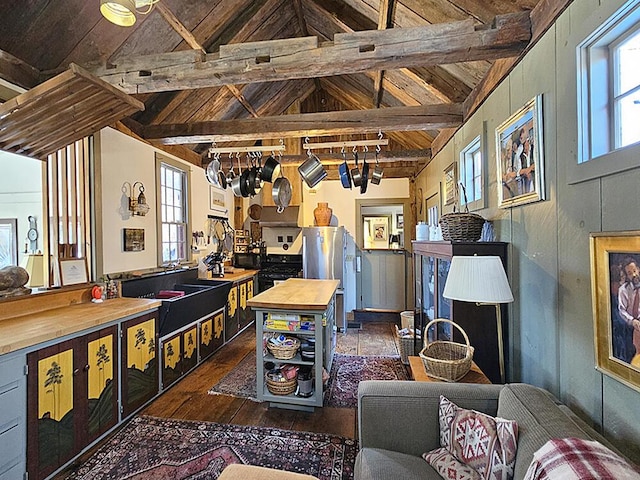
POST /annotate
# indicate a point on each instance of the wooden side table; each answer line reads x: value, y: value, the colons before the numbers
x: 419, y: 374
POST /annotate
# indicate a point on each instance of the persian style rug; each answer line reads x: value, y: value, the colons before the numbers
x: 342, y: 388
x: 152, y: 448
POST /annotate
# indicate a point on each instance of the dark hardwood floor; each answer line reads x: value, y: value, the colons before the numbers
x: 188, y: 399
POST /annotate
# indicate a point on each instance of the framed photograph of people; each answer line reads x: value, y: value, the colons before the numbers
x: 615, y: 287
x: 520, y: 156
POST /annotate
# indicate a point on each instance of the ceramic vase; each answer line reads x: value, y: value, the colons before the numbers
x: 322, y: 214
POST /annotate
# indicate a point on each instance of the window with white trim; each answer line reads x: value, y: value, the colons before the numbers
x: 471, y: 175
x: 609, y: 85
x: 174, y: 215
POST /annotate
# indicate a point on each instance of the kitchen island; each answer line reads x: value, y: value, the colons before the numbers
x: 303, y: 309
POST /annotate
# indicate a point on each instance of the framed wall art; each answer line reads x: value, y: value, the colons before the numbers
x: 615, y: 278
x: 73, y: 271
x: 519, y: 153
x: 133, y: 239
x: 450, y: 184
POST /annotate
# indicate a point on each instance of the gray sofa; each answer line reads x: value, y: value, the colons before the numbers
x: 398, y: 421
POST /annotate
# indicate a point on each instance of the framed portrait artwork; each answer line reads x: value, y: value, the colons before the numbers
x: 615, y: 278
x: 519, y: 153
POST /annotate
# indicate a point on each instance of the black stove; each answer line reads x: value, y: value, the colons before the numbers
x: 278, y: 267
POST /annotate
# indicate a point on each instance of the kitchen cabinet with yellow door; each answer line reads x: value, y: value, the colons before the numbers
x: 247, y: 315
x: 139, y: 362
x: 211, y: 334
x: 72, y: 398
x: 231, y: 325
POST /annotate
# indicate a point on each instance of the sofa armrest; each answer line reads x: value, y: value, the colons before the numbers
x: 403, y: 415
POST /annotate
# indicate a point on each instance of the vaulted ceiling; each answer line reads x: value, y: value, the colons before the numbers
x: 209, y: 70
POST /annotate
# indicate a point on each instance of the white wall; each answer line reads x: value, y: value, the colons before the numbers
x: 342, y: 200
x: 551, y: 321
x: 124, y: 159
x: 21, y: 194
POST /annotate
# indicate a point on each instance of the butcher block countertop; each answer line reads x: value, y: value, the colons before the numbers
x: 297, y: 294
x: 237, y: 276
x: 33, y: 328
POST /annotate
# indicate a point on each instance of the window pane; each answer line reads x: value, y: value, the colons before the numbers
x: 629, y: 118
x: 629, y: 64
x: 169, y: 180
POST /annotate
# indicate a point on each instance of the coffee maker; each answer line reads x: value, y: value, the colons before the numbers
x: 215, y: 263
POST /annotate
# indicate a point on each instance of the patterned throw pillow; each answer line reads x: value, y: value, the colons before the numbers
x: 449, y: 467
x: 485, y: 443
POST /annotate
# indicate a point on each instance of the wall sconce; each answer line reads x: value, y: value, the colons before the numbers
x: 137, y: 206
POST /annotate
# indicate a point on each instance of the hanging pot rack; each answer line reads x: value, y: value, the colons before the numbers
x: 256, y: 148
x: 348, y: 144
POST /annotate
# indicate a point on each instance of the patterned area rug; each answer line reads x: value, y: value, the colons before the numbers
x: 342, y: 388
x: 348, y: 371
x: 153, y: 448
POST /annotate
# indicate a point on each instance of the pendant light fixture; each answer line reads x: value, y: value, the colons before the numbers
x: 123, y: 12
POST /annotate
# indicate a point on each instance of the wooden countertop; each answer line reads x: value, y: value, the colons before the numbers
x: 475, y: 375
x: 238, y: 276
x: 297, y: 294
x: 34, y: 328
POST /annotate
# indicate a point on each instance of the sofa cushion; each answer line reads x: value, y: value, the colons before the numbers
x: 381, y: 464
x: 485, y: 443
x: 539, y: 420
x: 449, y: 467
x: 577, y: 459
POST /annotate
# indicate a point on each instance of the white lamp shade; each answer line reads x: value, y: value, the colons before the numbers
x: 480, y: 279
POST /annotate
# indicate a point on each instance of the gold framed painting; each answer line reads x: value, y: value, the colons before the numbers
x: 615, y: 291
x: 520, y: 156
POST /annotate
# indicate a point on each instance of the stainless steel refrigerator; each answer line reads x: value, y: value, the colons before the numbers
x: 324, y: 251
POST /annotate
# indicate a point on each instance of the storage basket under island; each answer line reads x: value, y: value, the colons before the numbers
x: 447, y: 360
x: 298, y: 308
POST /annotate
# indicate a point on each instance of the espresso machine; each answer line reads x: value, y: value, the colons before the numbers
x: 215, y: 263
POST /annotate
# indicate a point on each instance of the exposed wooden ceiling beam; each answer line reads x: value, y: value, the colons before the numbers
x: 346, y: 122
x: 277, y: 60
x: 297, y: 5
x: 17, y: 72
x: 385, y: 156
x: 385, y: 20
x: 188, y: 37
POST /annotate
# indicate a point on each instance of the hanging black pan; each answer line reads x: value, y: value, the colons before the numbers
x: 355, y: 172
x: 345, y: 175
x: 365, y: 174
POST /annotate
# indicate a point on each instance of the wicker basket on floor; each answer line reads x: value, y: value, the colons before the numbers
x: 445, y: 360
x: 286, y: 387
x: 284, y: 352
x: 405, y: 346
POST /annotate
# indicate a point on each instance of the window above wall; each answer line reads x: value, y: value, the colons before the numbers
x: 609, y: 85
x: 173, y: 184
x: 471, y: 176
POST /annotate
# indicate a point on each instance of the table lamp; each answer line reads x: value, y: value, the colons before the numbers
x: 480, y: 279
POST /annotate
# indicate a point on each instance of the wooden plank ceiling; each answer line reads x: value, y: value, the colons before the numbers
x: 202, y: 67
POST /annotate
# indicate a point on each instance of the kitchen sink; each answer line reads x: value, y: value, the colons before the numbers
x: 199, y: 300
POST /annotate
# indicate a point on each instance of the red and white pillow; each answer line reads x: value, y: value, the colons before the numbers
x: 578, y: 459
x: 474, y: 440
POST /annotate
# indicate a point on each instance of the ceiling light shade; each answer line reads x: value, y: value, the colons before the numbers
x: 480, y: 279
x: 120, y: 12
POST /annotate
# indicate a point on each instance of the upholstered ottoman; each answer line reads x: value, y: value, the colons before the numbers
x: 237, y: 471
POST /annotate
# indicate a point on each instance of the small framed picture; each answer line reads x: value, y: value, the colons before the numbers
x: 519, y: 152
x: 615, y: 280
x: 73, y: 271
x: 133, y: 239
x: 450, y: 182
